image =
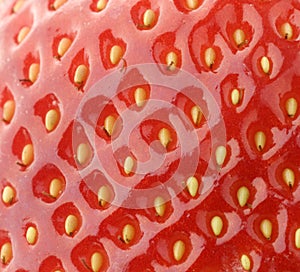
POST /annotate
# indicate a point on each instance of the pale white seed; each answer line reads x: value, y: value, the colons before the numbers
x: 196, y: 115
x: 6, y: 253
x: 297, y: 238
x: 216, y: 225
x: 140, y: 96
x: 164, y: 137
x: 210, y: 57
x: 31, y: 235
x: 220, y: 155
x: 96, y: 261
x: 160, y: 206
x: 8, y: 110
x: 109, y: 124
x: 192, y: 185
x: 245, y: 262
x: 81, y: 74
x: 101, y: 4
x: 266, y: 228
x: 288, y: 176
x: 260, y: 140
x: 51, y: 119
x: 172, y: 61
x: 235, y: 96
x: 58, y: 3
x: 148, y: 17
x: 128, y: 233
x: 83, y: 153
x: 239, y: 37
x: 243, y: 195
x: 286, y: 31
x: 71, y: 224
x: 192, y: 4
x: 55, y: 187
x: 291, y: 107
x: 23, y: 33
x: 265, y: 64
x: 63, y: 46
x: 27, y: 155
x: 128, y: 165
x: 178, y: 250
x: 8, y: 194
x: 116, y: 54
x: 104, y: 195
x: 17, y: 6
x: 33, y: 73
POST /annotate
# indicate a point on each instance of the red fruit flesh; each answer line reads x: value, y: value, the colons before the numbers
x: 149, y: 135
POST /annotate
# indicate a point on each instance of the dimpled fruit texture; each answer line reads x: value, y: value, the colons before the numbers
x: 147, y: 135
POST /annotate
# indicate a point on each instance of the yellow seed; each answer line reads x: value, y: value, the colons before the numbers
x: 243, y: 195
x: 8, y: 110
x: 116, y: 54
x: 160, y: 206
x: 235, y: 96
x: 192, y: 4
x: 286, y: 31
x: 172, y: 61
x: 266, y: 228
x: 297, y: 238
x: 58, y: 3
x: 23, y: 33
x: 27, y: 155
x: 178, y: 250
x: 260, y: 140
x: 31, y: 235
x: 33, y: 72
x: 55, y: 187
x: 265, y: 64
x: 6, y: 253
x: 220, y: 155
x: 71, y: 224
x: 17, y: 6
x: 81, y: 74
x: 140, y: 96
x: 51, y: 119
x: 196, y: 115
x: 109, y: 124
x: 8, y: 194
x: 104, y: 195
x: 96, y: 261
x: 288, y: 176
x: 210, y: 57
x: 101, y: 4
x: 245, y: 262
x: 216, y: 225
x: 291, y: 107
x: 148, y: 18
x: 164, y: 136
x: 128, y: 233
x: 239, y: 37
x: 63, y: 46
x: 83, y: 154
x: 192, y: 185
x: 128, y: 165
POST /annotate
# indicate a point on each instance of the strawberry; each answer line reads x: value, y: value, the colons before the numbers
x: 150, y: 135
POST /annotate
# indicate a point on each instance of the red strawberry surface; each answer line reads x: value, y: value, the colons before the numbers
x: 148, y: 135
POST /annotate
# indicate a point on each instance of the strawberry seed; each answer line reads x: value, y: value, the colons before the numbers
x: 239, y: 37
x: 172, y: 61
x: 235, y: 96
x: 243, y: 195
x: 31, y: 235
x: 58, y: 3
x: 81, y: 74
x: 265, y: 64
x: 17, y: 6
x: 160, y: 206
x: 196, y: 115
x: 210, y: 57
x: 109, y: 124
x: 8, y: 195
x: 148, y: 18
x: 96, y: 261
x: 128, y: 233
x: 33, y: 73
x: 71, y: 224
x: 128, y: 165
x: 291, y: 107
x: 164, y: 136
x: 63, y: 46
x: 83, y: 154
x: 101, y: 4
x: 6, y: 253
x: 51, y: 119
x: 140, y: 96
x: 23, y: 33
x: 55, y: 187
x: 104, y: 195
x: 192, y: 4
x: 216, y: 225
x: 245, y: 262
x: 8, y: 110
x: 260, y: 140
x: 192, y: 186
x: 116, y: 54
x: 286, y: 31
x: 297, y: 238
x: 178, y: 250
x: 220, y: 155
x: 266, y: 228
x: 27, y: 155
x: 288, y: 176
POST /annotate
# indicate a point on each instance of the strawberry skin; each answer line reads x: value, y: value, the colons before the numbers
x: 150, y: 135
